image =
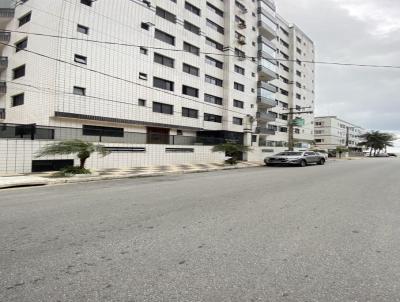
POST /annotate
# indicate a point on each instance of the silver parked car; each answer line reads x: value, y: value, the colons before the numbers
x: 295, y: 158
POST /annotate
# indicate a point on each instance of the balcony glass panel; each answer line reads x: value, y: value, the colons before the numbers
x: 265, y: 48
x: 265, y: 7
x: 267, y: 21
x: 267, y: 64
x: 266, y: 93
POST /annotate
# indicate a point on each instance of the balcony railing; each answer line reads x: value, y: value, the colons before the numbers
x: 267, y: 70
x: 3, y: 63
x: 266, y: 131
x: 7, y: 12
x: 5, y: 37
x: 2, y: 113
x: 3, y: 87
x: 265, y: 98
x: 265, y: 117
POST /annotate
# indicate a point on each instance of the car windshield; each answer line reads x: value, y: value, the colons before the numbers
x: 290, y: 154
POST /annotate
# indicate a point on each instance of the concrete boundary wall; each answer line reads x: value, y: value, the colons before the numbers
x: 16, y: 156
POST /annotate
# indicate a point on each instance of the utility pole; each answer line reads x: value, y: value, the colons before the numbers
x: 290, y: 114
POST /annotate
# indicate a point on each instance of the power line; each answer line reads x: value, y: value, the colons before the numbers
x: 206, y: 53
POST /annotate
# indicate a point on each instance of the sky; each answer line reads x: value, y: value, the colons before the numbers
x: 353, y: 31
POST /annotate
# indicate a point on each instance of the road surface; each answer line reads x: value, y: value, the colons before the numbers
x: 328, y: 233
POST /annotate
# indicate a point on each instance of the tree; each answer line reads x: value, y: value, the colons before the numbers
x: 377, y: 141
x: 232, y: 150
x: 82, y: 149
x: 340, y: 150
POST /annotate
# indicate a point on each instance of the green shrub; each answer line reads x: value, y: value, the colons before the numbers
x: 70, y: 171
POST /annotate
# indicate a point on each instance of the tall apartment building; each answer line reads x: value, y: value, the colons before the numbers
x: 332, y: 132
x: 172, y: 67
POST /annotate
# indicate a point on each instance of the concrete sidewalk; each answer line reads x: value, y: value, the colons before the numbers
x: 47, y: 178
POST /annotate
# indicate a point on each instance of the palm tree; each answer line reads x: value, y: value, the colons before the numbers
x: 231, y: 149
x: 82, y: 149
x: 377, y: 141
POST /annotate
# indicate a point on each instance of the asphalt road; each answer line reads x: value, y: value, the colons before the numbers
x: 327, y: 233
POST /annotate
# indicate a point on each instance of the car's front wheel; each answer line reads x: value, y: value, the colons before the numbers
x: 303, y: 163
x: 321, y: 162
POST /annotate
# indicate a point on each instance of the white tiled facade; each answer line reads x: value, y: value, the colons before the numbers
x: 332, y: 132
x: 73, y: 77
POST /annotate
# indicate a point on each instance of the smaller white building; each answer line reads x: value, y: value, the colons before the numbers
x: 331, y: 132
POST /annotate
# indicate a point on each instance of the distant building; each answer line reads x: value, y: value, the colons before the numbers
x: 332, y: 132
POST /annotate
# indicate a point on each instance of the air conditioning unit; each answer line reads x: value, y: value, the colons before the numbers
x: 242, y: 25
x: 242, y: 40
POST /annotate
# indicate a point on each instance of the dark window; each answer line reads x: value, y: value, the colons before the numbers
x: 21, y: 45
x: 238, y: 104
x: 214, y: 62
x: 145, y: 25
x: 239, y: 70
x: 214, y: 81
x: 238, y: 86
x: 190, y: 7
x: 87, y: 2
x: 214, y: 44
x: 190, y: 69
x: 212, y: 118
x: 80, y: 59
x: 191, y: 27
x: 165, y: 14
x: 83, y: 29
x: 237, y: 121
x: 158, y: 58
x: 284, y: 92
x: 240, y: 54
x: 19, y: 72
x: 212, y: 99
x: 163, y: 84
x: 143, y: 76
x: 190, y: 91
x: 162, y: 36
x: 79, y: 90
x: 163, y: 108
x: 215, y: 10
x: 17, y: 100
x: 284, y: 67
x: 143, y: 50
x: 192, y: 113
x: 191, y: 48
x: 215, y: 26
x: 24, y: 19
x: 91, y: 130
x: 142, y: 102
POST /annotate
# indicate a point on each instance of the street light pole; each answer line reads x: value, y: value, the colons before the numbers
x: 290, y: 114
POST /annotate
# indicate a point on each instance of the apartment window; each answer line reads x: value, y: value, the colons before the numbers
x: 283, y: 129
x: 286, y: 33
x: 215, y: 26
x: 212, y: 118
x: 298, y: 39
x: 24, y: 19
x: 238, y: 86
x: 214, y: 81
x: 79, y: 90
x: 192, y: 113
x: 297, y: 131
x: 190, y: 7
x: 191, y: 91
x: 163, y: 108
x: 163, y: 84
x: 215, y: 9
x: 214, y: 62
x: 143, y: 76
x: 298, y: 51
x: 239, y: 70
x: 163, y: 36
x: 298, y: 96
x: 91, y: 130
x: 214, y: 44
x: 18, y: 72
x: 163, y: 60
x: 191, y: 48
x: 298, y: 85
x: 238, y: 104
x: 284, y: 92
x: 212, y: 99
x: 82, y: 29
x: 191, y: 27
x: 143, y: 50
x: 190, y: 69
x: 17, y: 100
x: 298, y: 73
x: 145, y: 26
x: 165, y: 14
x: 284, y: 80
x: 285, y: 44
x: 21, y: 45
x: 142, y: 102
x: 87, y: 2
x: 285, y: 68
x: 237, y: 121
x: 239, y: 53
x: 80, y: 59
x: 319, y: 140
x: 298, y: 62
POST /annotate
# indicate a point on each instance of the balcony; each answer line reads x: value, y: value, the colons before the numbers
x: 266, y: 95
x: 265, y: 131
x: 7, y: 12
x: 267, y: 70
x: 266, y: 48
x: 5, y: 37
x: 267, y: 27
x: 265, y: 117
x: 2, y: 113
x: 3, y: 87
x: 3, y: 63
